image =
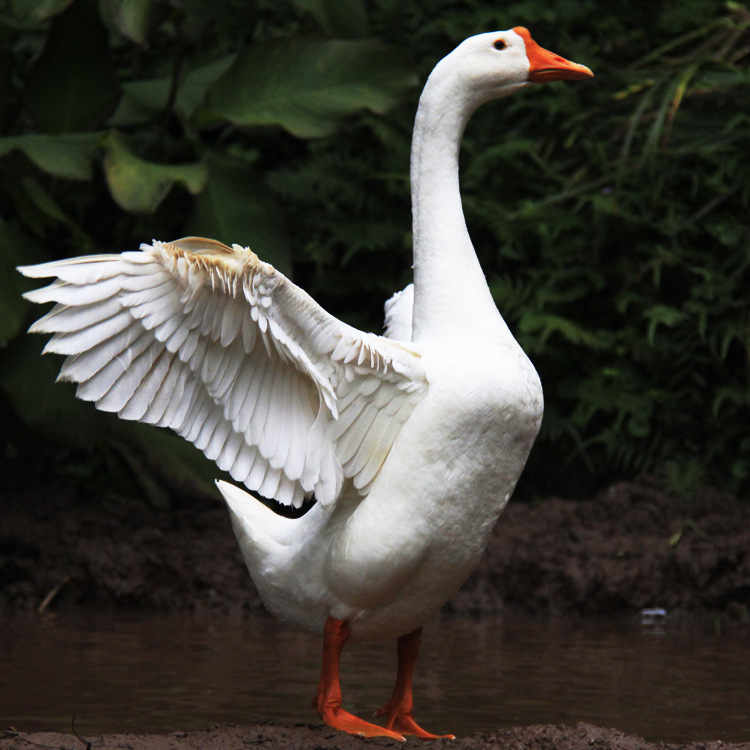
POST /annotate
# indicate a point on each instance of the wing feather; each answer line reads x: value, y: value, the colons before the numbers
x: 244, y: 461
x: 196, y: 417
x: 218, y: 439
x: 130, y: 379
x: 113, y: 356
x: 351, y: 440
x: 295, y: 463
x: 399, y: 310
x: 258, y: 431
x: 270, y: 484
x: 87, y: 270
x: 212, y: 342
x: 207, y: 429
x: 143, y: 292
x: 68, y: 294
x: 257, y: 473
x: 229, y: 452
x: 151, y: 395
x: 102, y: 371
x: 182, y: 400
x: 63, y: 319
x: 87, y: 338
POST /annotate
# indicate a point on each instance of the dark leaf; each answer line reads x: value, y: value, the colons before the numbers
x: 67, y: 155
x: 307, y: 86
x: 72, y: 85
x: 139, y: 186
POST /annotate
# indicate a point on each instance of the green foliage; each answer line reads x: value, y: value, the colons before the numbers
x: 68, y: 156
x: 307, y: 85
x: 71, y: 86
x: 139, y: 186
x: 611, y: 216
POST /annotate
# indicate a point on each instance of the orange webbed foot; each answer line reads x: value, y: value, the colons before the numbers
x: 327, y: 702
x: 338, y: 718
x: 398, y: 720
x: 398, y: 709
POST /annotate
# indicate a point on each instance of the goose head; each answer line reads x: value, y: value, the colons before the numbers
x: 488, y: 66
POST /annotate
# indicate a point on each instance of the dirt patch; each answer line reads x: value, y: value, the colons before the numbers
x: 230, y: 737
x: 629, y: 548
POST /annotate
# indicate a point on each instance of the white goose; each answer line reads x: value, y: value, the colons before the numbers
x: 411, y: 444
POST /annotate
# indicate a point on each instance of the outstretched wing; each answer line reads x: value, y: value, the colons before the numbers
x: 226, y: 351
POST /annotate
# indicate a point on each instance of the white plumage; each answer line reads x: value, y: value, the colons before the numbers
x: 223, y: 349
x: 410, y: 443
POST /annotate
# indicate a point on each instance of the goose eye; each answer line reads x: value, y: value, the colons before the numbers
x: 499, y: 44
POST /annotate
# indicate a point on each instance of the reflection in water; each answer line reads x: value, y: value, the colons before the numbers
x: 161, y: 674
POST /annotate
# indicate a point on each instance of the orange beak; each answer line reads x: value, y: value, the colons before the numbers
x: 546, y: 66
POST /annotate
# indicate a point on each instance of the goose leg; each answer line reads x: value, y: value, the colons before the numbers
x: 399, y: 707
x: 328, y: 700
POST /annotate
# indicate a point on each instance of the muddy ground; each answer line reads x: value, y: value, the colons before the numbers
x: 299, y: 737
x: 631, y: 547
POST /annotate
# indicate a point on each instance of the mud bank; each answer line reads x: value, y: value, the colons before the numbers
x: 270, y: 736
x: 629, y: 548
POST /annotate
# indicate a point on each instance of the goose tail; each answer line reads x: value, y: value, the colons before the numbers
x: 280, y: 562
x: 263, y: 535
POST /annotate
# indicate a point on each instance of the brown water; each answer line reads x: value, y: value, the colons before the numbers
x: 679, y: 682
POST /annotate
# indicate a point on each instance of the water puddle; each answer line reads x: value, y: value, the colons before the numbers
x: 675, y: 681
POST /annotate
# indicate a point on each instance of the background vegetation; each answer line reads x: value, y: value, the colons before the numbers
x: 611, y: 217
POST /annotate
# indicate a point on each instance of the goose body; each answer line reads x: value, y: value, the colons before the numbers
x: 411, y: 443
x: 385, y: 565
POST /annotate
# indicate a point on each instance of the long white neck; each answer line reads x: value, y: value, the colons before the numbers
x: 451, y: 296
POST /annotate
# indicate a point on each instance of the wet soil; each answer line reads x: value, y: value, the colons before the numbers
x: 292, y: 737
x: 630, y: 548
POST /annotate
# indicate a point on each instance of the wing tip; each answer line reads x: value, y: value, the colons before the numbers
x: 37, y: 271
